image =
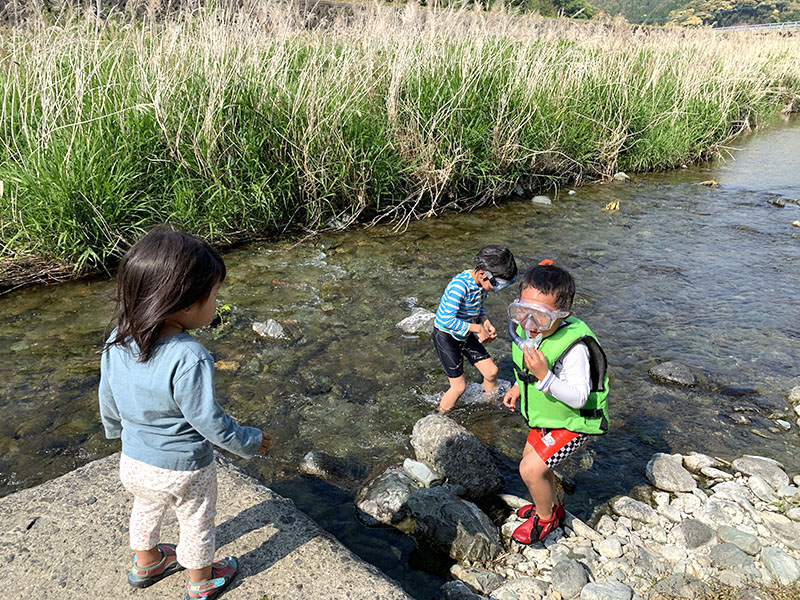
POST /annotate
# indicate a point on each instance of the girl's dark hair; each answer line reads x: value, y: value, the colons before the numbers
x: 498, y: 260
x: 164, y: 272
x: 551, y: 279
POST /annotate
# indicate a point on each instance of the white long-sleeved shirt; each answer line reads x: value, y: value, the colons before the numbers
x: 570, y: 379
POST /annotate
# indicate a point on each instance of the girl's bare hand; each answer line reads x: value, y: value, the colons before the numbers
x: 266, y: 442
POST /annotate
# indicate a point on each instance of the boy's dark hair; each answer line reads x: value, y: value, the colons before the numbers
x: 164, y: 272
x: 550, y: 279
x: 498, y: 260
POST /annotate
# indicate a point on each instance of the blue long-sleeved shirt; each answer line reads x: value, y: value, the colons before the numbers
x: 165, y: 409
x: 460, y: 304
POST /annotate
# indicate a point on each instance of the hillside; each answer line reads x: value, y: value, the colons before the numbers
x: 735, y: 12
x: 702, y: 12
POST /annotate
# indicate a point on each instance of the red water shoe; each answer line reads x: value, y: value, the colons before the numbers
x: 535, y: 528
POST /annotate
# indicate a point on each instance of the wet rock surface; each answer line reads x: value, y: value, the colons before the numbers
x: 672, y: 372
x: 419, y: 321
x: 451, y: 449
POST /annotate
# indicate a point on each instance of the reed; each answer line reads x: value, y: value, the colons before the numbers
x: 249, y: 121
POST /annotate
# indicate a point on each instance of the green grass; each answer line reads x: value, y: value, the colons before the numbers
x: 231, y: 125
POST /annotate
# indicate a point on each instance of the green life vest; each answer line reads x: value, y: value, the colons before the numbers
x: 544, y: 410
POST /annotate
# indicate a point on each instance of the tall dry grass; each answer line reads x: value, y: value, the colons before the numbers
x: 268, y: 116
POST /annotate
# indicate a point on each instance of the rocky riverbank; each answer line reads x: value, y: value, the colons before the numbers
x: 704, y: 523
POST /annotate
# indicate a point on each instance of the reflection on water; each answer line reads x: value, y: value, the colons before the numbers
x: 706, y: 276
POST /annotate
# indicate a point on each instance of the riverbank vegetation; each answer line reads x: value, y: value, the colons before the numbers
x: 249, y: 122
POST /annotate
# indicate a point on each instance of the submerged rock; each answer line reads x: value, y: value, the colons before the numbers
x: 271, y: 329
x: 419, y: 321
x: 673, y: 372
x: 456, y: 453
x: 330, y: 468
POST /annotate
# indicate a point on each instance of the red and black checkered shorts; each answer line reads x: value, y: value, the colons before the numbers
x: 554, y: 445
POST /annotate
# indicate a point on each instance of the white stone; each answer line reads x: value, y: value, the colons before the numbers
x: 713, y: 473
x: 672, y: 553
x: 785, y: 425
x: 609, y: 547
x: 789, y: 491
x: 537, y: 555
x: 761, y: 488
x: 660, y: 498
x: 686, y: 503
x: 671, y: 512
x: 513, y: 501
x: 606, y: 525
x: 659, y: 535
x: 541, y: 200
x: 694, y: 461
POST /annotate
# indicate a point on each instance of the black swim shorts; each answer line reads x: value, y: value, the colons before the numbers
x: 451, y: 352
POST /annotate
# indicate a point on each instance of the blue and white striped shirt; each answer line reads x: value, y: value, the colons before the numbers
x: 460, y: 304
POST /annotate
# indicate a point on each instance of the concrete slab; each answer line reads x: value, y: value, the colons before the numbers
x: 67, y: 538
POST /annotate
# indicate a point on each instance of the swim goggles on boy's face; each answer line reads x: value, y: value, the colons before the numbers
x: 530, y: 315
x: 497, y: 283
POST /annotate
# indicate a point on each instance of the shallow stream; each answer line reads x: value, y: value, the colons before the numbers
x: 709, y: 276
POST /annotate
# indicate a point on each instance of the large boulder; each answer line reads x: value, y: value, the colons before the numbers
x: 383, y: 500
x: 666, y: 472
x: 455, y: 452
x: 453, y: 526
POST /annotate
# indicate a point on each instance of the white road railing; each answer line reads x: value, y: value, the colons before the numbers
x: 784, y: 25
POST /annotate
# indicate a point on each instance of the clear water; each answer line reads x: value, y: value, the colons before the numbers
x: 707, y: 276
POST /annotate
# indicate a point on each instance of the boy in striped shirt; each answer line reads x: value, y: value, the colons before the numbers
x: 462, y: 327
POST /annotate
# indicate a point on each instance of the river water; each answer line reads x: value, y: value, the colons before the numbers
x: 709, y: 276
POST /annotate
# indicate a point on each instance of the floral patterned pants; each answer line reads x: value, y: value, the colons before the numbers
x: 191, y: 494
